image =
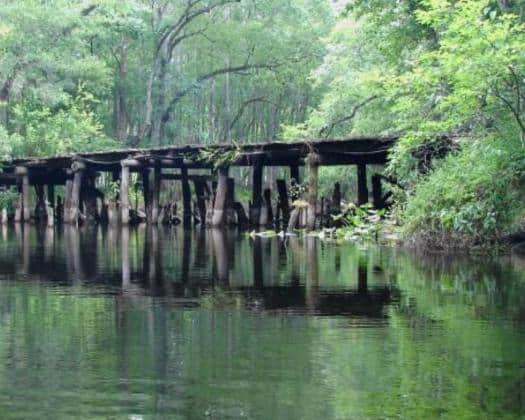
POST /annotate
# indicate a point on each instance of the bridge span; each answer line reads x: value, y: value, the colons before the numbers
x: 212, y: 201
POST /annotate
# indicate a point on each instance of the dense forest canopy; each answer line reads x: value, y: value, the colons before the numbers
x: 146, y: 72
x: 447, y: 75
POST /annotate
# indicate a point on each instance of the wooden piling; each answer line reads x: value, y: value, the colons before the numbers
x: 312, y: 161
x: 200, y: 188
x: 283, y: 203
x: 255, y: 208
x: 26, y: 209
x: 89, y: 197
x: 377, y: 192
x: 50, y: 211
x: 40, y: 209
x: 336, y: 199
x: 124, y: 193
x: 295, y: 180
x: 19, y: 208
x: 186, y: 197
x: 266, y: 218
x: 67, y: 201
x: 155, y: 197
x: 219, y: 208
x: 362, y: 189
x: 78, y: 170
x: 146, y: 192
x: 51, y: 195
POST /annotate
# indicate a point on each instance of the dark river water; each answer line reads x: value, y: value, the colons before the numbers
x: 162, y: 323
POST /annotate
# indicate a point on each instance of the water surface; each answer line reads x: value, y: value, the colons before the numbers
x: 162, y: 323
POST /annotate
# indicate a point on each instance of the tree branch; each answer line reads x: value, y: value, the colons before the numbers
x: 328, y: 129
x: 182, y: 93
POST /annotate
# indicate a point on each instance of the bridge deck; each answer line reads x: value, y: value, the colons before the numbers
x: 78, y: 172
x: 368, y: 150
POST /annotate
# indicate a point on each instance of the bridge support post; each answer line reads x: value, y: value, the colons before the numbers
x: 25, y: 194
x: 362, y: 189
x: 221, y: 196
x: 266, y: 218
x: 155, y: 195
x: 312, y: 161
x: 256, y: 204
x: 78, y: 173
x: 124, y: 193
x: 200, y: 187
x: 66, y: 213
x: 146, y: 192
x: 186, y: 197
x: 283, y: 205
x: 295, y: 178
x: 336, y: 199
x: 377, y: 192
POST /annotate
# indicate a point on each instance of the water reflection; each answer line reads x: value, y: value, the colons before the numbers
x: 162, y: 322
x: 264, y: 273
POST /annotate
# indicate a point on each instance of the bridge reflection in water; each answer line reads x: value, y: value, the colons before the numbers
x: 209, y: 266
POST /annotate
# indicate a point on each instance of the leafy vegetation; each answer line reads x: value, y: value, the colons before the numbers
x: 448, y: 76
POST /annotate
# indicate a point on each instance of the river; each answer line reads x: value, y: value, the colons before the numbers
x: 161, y: 323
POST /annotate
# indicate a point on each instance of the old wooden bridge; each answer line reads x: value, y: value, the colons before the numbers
x: 206, y: 167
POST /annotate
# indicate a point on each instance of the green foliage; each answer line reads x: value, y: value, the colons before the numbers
x: 111, y: 189
x: 8, y: 199
x: 218, y: 157
x: 360, y: 223
x: 474, y: 195
x: 44, y: 131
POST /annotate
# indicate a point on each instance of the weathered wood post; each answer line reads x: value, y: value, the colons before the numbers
x: 266, y: 218
x: 186, y: 197
x: 67, y: 198
x: 19, y: 207
x: 283, y: 203
x: 26, y: 209
x: 51, y: 195
x: 256, y: 204
x: 312, y: 161
x: 89, y: 196
x: 295, y: 180
x: 200, y: 188
x: 336, y: 198
x: 124, y: 192
x: 78, y: 171
x: 377, y: 192
x: 40, y: 208
x: 231, y: 217
x: 155, y: 196
x: 362, y: 189
x: 146, y: 191
x: 3, y: 219
x: 219, y: 208
x: 50, y: 215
